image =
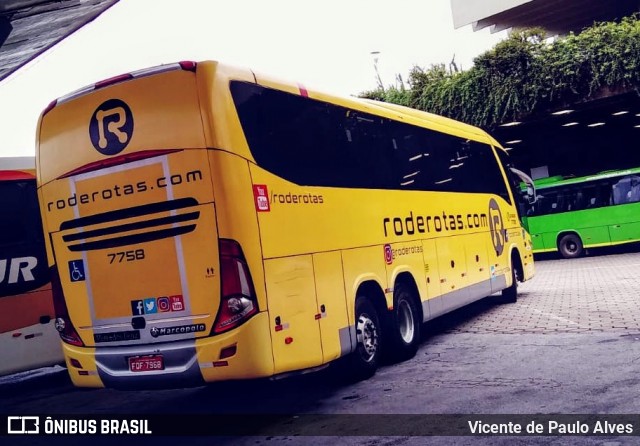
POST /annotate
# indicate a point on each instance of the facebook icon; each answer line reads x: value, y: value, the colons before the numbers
x: 137, y: 307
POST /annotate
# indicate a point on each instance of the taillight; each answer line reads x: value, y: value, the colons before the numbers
x: 188, y: 65
x: 63, y: 323
x: 238, y: 298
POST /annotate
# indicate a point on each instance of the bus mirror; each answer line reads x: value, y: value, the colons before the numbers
x: 531, y: 194
x: 526, y: 179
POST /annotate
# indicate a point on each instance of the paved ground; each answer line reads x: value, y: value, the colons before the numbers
x: 598, y: 293
x: 570, y: 345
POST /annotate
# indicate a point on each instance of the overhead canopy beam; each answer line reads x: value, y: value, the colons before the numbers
x: 557, y: 17
x: 30, y: 27
x: 5, y: 29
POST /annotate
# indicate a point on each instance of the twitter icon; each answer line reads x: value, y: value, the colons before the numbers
x: 150, y: 306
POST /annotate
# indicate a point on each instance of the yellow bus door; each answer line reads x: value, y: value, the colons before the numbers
x: 291, y: 297
x: 331, y: 305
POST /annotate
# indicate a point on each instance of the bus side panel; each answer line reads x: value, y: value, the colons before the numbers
x: 292, y: 310
x: 252, y: 358
x: 537, y: 242
x: 36, y: 345
x: 598, y: 235
x: 432, y: 307
x: 550, y: 240
x: 408, y: 257
x: 453, y: 272
x: 624, y: 232
x: 236, y: 213
x: 221, y: 124
x: 477, y: 261
x: 26, y: 340
x: 363, y: 265
x: 623, y: 220
x: 334, y: 323
x: 26, y: 309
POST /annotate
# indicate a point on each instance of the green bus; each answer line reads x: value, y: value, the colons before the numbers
x: 571, y: 214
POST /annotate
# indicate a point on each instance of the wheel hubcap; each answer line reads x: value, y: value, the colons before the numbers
x: 405, y: 321
x: 367, y: 336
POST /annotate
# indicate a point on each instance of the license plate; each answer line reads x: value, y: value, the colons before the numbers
x: 146, y: 363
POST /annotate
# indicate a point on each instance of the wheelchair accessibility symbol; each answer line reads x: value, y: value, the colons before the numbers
x: 76, y: 270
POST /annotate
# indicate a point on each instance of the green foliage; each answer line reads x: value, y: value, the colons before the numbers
x: 527, y: 73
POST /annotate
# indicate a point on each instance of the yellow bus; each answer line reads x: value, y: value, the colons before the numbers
x: 28, y: 338
x: 209, y: 223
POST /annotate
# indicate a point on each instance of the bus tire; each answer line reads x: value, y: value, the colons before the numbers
x: 404, y: 333
x: 364, y: 361
x: 570, y: 246
x: 510, y: 295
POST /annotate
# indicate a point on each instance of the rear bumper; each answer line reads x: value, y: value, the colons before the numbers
x: 187, y: 363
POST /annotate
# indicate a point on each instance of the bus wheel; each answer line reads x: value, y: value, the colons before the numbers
x: 365, y: 359
x: 510, y: 295
x: 405, y: 332
x: 570, y: 246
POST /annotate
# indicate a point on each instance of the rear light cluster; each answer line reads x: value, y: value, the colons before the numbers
x: 184, y: 65
x: 238, y: 298
x: 63, y: 323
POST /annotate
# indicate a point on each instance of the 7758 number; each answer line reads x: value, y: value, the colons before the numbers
x: 126, y: 256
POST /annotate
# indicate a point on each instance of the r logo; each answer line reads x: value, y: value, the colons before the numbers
x: 111, y: 127
x: 496, y: 227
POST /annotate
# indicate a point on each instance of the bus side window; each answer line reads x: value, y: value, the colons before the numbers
x: 634, y: 192
x: 560, y: 204
x: 602, y: 196
x: 618, y: 193
x: 626, y: 190
x: 589, y: 196
x: 550, y: 203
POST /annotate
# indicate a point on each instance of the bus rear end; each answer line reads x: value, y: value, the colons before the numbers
x: 146, y: 293
x: 27, y: 336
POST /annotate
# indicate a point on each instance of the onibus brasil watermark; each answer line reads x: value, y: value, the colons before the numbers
x: 72, y: 426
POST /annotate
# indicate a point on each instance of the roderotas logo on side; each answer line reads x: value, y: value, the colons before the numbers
x: 111, y: 127
x: 496, y: 226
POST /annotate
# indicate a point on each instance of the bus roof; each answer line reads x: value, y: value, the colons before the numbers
x: 379, y: 108
x: 426, y: 116
x: 544, y: 183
